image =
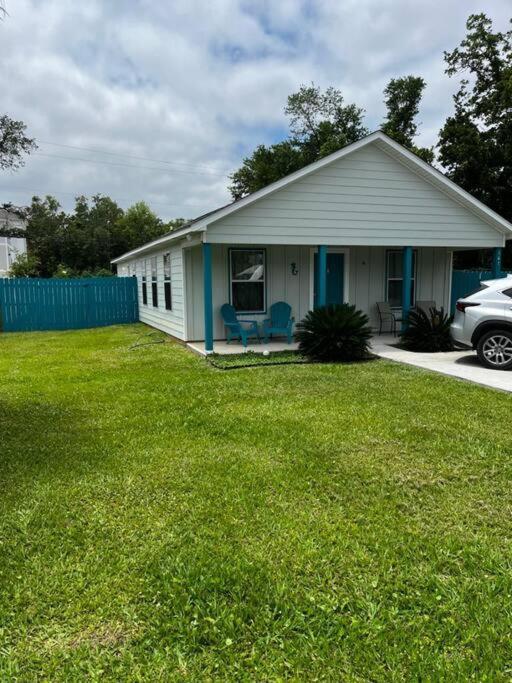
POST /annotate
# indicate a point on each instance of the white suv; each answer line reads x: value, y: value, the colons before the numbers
x: 483, y: 321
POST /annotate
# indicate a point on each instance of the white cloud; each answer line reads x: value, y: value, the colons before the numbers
x: 195, y: 82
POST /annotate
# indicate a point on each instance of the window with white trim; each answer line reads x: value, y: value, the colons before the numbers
x: 154, y: 282
x: 247, y: 279
x: 167, y: 282
x: 394, y: 278
x: 145, y: 282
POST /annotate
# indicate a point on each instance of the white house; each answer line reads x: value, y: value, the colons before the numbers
x: 370, y: 223
x: 10, y: 247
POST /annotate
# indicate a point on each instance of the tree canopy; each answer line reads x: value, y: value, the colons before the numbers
x: 475, y: 143
x: 321, y: 123
x: 402, y: 98
x: 84, y: 241
x: 14, y: 143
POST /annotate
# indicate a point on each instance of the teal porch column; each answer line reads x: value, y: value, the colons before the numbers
x: 322, y: 276
x: 496, y: 263
x: 406, y: 284
x: 208, y: 298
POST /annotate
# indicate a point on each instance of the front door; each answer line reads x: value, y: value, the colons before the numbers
x: 335, y: 277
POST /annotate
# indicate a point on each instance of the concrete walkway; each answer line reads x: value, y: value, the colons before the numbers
x: 461, y: 364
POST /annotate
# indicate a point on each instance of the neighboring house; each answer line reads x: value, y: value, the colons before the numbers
x: 346, y: 228
x: 10, y: 247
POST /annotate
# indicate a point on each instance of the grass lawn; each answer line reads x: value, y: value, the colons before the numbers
x: 251, y: 359
x: 162, y: 520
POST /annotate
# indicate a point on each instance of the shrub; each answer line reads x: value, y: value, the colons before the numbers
x: 428, y: 332
x: 64, y: 272
x: 334, y: 333
x: 25, y: 265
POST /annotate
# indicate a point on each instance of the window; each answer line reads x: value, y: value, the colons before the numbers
x: 247, y: 280
x: 154, y: 283
x: 508, y: 292
x: 144, y: 283
x: 480, y: 289
x: 167, y: 282
x: 394, y: 279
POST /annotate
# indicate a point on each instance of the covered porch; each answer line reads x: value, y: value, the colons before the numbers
x: 249, y: 281
x: 252, y: 277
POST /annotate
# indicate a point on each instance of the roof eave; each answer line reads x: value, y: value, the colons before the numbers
x: 487, y: 214
x: 201, y: 224
x: 161, y: 241
x: 440, y: 180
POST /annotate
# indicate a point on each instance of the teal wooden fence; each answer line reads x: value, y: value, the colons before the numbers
x: 464, y: 282
x: 43, y: 304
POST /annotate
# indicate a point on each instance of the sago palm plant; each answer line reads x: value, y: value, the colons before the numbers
x: 428, y: 332
x: 338, y: 332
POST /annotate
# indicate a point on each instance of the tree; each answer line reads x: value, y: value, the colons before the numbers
x: 90, y: 234
x: 45, y: 234
x: 475, y: 143
x: 135, y: 227
x: 265, y: 166
x: 320, y: 123
x: 83, y: 243
x: 25, y: 265
x: 402, y: 100
x: 14, y: 143
x: 175, y: 224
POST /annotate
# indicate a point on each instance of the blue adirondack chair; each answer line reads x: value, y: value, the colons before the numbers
x: 280, y: 321
x: 233, y: 325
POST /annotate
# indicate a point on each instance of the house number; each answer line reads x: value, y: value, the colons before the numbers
x: 293, y: 268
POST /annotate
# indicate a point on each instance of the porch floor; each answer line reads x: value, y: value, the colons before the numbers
x: 225, y: 349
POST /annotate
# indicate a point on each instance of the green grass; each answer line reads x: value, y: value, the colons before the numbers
x: 252, y: 359
x: 164, y: 521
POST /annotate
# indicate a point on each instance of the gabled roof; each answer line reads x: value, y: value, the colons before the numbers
x: 384, y: 142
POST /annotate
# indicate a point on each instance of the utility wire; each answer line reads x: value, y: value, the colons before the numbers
x: 120, y: 199
x: 204, y: 167
x: 139, y: 168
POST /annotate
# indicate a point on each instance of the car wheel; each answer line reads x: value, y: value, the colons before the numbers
x: 494, y: 350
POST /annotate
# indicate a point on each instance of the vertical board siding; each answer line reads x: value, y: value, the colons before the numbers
x: 366, y: 283
x: 368, y: 277
x: 281, y: 285
x: 29, y: 304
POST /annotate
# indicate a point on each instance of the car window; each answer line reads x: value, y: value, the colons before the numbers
x: 508, y: 292
x: 480, y: 289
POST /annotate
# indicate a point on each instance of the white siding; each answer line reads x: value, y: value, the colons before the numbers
x: 366, y: 198
x: 172, y: 322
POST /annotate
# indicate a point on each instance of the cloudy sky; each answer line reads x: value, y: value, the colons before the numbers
x: 159, y: 101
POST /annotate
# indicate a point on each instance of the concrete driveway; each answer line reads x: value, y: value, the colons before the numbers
x: 461, y: 364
